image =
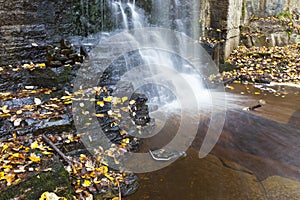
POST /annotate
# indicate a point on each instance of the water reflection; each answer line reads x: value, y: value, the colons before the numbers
x: 257, y: 156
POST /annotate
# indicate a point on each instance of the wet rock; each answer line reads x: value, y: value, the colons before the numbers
x: 139, y: 110
x: 281, y: 188
x: 166, y: 154
x: 35, y: 126
x: 55, y: 63
x: 217, y: 181
x: 128, y: 187
x: 63, y: 55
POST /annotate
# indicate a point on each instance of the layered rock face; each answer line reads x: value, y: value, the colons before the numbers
x: 27, y: 26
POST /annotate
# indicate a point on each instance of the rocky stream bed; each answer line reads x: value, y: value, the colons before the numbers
x: 41, y: 150
x: 36, y: 107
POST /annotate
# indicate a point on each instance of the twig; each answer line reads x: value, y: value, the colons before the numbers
x: 120, y: 195
x: 61, y: 154
x: 260, y: 104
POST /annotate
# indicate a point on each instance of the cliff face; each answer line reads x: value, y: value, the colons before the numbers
x: 27, y: 26
x: 265, y: 8
x: 224, y: 20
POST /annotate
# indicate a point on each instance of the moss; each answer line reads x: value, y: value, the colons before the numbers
x: 56, y: 181
x: 281, y: 15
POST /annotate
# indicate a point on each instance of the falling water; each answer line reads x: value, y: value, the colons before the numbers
x: 137, y: 19
x: 120, y: 5
x: 246, y: 133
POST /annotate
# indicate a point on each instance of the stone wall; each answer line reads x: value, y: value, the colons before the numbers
x: 271, y: 22
x: 233, y: 26
x: 27, y: 26
x: 265, y: 8
x: 221, y: 20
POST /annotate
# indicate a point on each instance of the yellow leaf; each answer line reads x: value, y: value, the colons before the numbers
x: 34, y: 145
x: 256, y: 92
x: 109, y: 177
x: 42, y: 65
x: 5, y: 115
x: 102, y: 169
x: 100, y: 103
x: 99, y: 115
x: 9, y: 179
x: 124, y: 99
x: 4, y: 109
x: 47, y: 153
x: 96, y: 181
x: 43, y: 196
x: 67, y: 102
x: 4, y: 148
x: 16, y: 155
x: 86, y: 183
x: 115, y: 198
x: 126, y: 140
x: 230, y: 87
x: 2, y: 175
x: 108, y: 99
x: 48, y: 92
x: 66, y: 97
x: 34, y: 158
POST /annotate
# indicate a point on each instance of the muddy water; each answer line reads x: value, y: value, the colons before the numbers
x: 256, y: 157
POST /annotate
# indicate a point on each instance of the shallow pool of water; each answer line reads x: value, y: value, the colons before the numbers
x: 256, y: 156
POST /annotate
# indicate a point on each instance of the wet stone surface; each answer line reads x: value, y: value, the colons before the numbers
x: 36, y: 99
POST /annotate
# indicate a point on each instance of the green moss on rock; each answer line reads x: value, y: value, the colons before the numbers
x: 57, y: 180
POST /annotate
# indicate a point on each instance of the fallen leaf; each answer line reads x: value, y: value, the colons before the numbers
x: 108, y: 99
x: 34, y: 145
x: 34, y: 158
x: 19, y: 112
x: 124, y: 99
x: 4, y: 148
x: 4, y: 109
x: 100, y: 103
x: 86, y: 183
x: 37, y: 101
x: 29, y: 87
x: 17, y: 122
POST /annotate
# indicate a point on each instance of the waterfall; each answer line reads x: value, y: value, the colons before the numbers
x: 137, y: 19
x: 177, y: 15
x: 120, y: 5
x: 158, y: 56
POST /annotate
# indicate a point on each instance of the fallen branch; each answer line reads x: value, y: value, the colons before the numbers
x: 260, y: 104
x: 120, y: 195
x: 61, y: 154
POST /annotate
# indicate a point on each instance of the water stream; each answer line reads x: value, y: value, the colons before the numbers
x: 254, y: 147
